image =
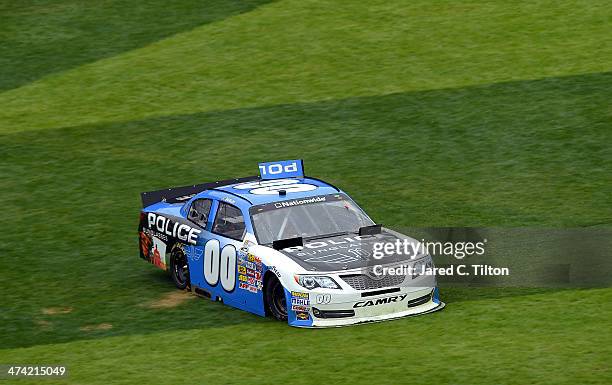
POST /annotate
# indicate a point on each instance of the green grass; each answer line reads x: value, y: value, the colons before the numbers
x: 298, y: 51
x: 478, y: 114
x: 45, y: 37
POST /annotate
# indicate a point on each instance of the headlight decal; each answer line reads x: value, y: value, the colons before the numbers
x: 313, y: 281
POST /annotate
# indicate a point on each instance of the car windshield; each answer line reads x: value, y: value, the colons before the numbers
x: 308, y: 217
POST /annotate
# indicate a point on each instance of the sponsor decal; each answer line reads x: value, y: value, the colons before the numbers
x: 300, y: 301
x: 159, y: 253
x: 153, y: 249
x: 253, y: 273
x: 300, y: 308
x: 297, y: 202
x: 242, y: 256
x: 275, y: 271
x: 254, y: 259
x: 347, y: 249
x: 247, y: 287
x: 172, y: 228
x: 302, y: 315
x: 145, y: 244
x: 250, y: 272
x: 153, y: 233
x: 381, y: 301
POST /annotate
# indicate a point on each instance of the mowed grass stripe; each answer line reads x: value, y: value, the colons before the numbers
x: 44, y: 37
x: 511, y: 154
x: 294, y: 52
x: 534, y: 338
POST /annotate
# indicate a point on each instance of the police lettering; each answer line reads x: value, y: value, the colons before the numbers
x: 178, y: 230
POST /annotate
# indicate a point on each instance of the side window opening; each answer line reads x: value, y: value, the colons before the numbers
x: 199, y: 210
x: 229, y: 221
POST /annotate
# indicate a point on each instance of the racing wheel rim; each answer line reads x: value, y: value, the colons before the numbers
x: 180, y: 270
x: 277, y: 300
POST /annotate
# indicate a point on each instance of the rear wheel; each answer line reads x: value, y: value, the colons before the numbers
x: 179, y: 269
x: 276, y: 303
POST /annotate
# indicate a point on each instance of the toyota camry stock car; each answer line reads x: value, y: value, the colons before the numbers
x: 282, y: 244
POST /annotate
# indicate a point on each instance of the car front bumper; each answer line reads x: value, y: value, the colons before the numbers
x: 331, y: 309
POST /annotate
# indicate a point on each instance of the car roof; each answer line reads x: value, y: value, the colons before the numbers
x: 246, y: 190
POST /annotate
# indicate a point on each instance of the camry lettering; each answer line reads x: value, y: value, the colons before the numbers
x: 381, y: 301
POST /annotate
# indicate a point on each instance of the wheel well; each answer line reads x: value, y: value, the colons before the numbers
x: 268, y: 276
x: 174, y: 248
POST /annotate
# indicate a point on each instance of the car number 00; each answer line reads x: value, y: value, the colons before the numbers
x: 220, y: 264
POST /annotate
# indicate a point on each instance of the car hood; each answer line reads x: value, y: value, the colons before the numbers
x: 346, y: 252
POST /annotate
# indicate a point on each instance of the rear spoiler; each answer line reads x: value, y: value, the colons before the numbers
x: 182, y: 194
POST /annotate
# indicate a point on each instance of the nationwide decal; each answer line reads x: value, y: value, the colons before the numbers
x: 298, y: 202
x: 381, y: 301
x: 172, y: 228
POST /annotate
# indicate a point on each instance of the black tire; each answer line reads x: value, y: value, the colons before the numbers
x: 179, y: 268
x: 276, y: 303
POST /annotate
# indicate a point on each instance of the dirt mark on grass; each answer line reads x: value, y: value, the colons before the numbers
x: 91, y: 328
x: 44, y: 325
x: 170, y: 300
x: 56, y: 310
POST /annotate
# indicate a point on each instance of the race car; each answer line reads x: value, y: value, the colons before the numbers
x: 283, y: 245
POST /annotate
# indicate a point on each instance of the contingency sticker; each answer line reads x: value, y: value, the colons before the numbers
x: 249, y: 272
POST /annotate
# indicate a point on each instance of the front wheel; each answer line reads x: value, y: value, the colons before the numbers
x: 276, y: 303
x: 179, y: 269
